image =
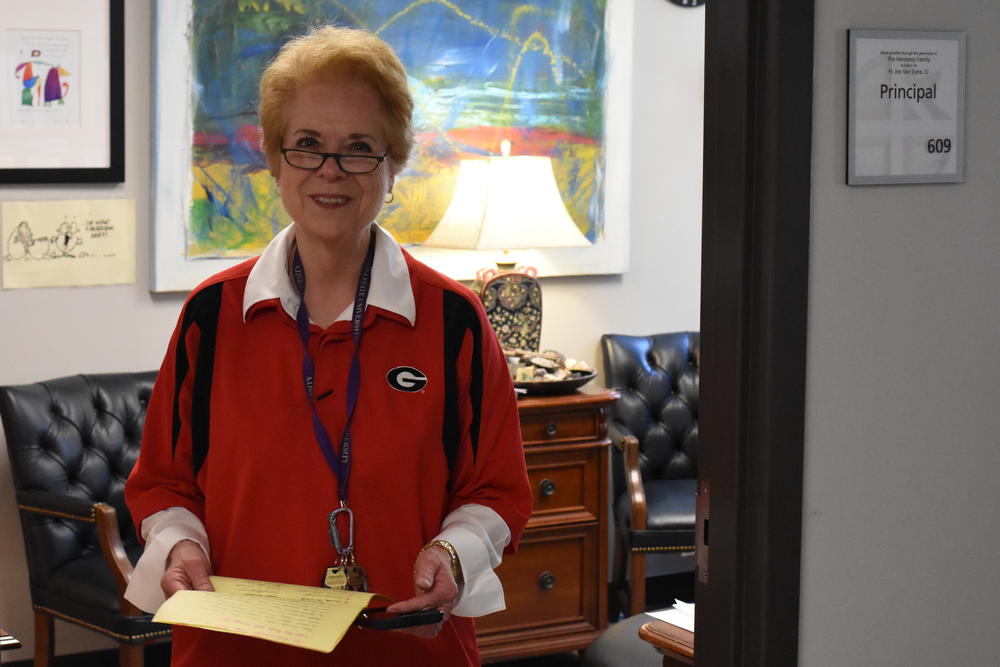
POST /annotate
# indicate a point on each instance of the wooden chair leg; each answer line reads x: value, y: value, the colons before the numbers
x: 45, y: 643
x: 637, y: 583
x: 130, y: 655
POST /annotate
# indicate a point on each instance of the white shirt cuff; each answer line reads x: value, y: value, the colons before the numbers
x: 479, y: 536
x: 477, y: 532
x: 161, y: 531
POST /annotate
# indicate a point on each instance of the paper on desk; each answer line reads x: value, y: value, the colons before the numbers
x: 304, y: 616
x: 681, y: 615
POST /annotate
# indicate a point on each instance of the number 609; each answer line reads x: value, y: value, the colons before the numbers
x: 939, y: 145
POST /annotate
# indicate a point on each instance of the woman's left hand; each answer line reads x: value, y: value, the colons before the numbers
x: 434, y: 587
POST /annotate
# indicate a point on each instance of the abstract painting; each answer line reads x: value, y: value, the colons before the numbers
x: 481, y: 71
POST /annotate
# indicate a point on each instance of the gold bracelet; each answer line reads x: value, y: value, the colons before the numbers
x: 456, y: 564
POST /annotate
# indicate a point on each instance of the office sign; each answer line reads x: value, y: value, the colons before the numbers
x: 906, y: 107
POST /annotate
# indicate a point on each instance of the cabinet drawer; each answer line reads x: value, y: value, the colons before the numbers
x: 564, y: 485
x: 550, y: 582
x: 553, y: 427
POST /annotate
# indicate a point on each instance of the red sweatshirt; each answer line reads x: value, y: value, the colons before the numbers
x: 229, y: 437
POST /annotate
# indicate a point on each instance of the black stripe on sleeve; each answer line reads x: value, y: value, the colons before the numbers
x: 202, y: 311
x: 460, y: 319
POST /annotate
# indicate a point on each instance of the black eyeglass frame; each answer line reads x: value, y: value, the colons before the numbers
x: 336, y: 158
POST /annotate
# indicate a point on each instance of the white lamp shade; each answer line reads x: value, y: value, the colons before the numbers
x: 503, y: 203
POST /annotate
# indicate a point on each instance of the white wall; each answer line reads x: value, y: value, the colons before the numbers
x: 661, y: 290
x: 901, y: 533
x: 47, y: 333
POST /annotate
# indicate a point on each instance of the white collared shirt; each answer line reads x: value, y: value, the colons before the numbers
x: 390, y: 285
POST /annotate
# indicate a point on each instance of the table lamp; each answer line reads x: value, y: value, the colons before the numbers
x: 505, y: 203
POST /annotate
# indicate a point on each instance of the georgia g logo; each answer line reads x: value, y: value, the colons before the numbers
x: 406, y: 378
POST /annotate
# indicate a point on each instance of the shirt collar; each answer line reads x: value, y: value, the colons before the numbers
x: 390, y: 287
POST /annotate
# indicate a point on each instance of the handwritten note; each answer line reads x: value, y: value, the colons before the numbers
x: 304, y: 616
x: 64, y: 243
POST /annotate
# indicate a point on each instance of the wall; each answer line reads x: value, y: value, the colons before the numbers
x: 59, y: 331
x: 901, y: 454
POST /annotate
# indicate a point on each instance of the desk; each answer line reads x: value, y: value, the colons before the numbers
x: 556, y: 583
x: 8, y: 642
x: 676, y: 644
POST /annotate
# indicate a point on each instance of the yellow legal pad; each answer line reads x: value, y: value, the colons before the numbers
x: 304, y: 616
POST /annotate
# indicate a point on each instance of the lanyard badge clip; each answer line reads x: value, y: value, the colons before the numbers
x: 346, y: 554
x: 345, y: 574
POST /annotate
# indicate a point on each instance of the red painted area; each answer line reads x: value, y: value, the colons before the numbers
x: 246, y: 134
x: 206, y: 139
x: 249, y: 134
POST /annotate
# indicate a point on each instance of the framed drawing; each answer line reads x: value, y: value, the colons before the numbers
x: 62, y: 110
x: 546, y: 77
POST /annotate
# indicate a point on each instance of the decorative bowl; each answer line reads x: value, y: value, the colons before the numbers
x: 550, y: 387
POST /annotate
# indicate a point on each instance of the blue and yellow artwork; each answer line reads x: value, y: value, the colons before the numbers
x: 481, y: 71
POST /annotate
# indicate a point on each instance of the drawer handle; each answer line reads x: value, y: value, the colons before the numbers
x: 547, y: 580
x: 547, y: 487
x: 551, y: 429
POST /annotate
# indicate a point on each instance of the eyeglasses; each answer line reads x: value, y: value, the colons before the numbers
x: 351, y: 164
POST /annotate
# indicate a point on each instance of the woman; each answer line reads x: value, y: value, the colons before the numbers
x: 270, y: 410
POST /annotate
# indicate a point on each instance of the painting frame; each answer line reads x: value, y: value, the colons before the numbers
x: 173, y: 271
x: 93, y: 151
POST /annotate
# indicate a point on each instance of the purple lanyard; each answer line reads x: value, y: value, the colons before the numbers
x: 340, y: 465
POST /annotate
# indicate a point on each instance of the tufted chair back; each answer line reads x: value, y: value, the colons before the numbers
x: 72, y: 443
x: 657, y: 379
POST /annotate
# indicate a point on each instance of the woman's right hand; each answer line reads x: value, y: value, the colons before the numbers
x: 188, y: 569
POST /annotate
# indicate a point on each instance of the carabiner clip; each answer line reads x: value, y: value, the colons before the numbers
x: 344, y: 552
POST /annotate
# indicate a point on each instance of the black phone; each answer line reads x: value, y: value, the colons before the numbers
x: 378, y: 619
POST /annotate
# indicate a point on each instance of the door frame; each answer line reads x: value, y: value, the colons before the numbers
x: 755, y: 250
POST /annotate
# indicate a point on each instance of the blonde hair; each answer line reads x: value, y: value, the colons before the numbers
x: 330, y: 50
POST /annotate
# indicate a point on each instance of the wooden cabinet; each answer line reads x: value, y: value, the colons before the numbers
x: 556, y: 583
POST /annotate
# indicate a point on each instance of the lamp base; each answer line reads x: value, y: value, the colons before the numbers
x: 512, y: 298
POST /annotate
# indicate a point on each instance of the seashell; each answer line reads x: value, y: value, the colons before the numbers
x: 524, y: 374
x: 546, y: 366
x: 545, y: 362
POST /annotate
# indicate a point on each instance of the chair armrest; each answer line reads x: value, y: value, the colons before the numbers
x: 615, y: 433
x: 112, y: 547
x: 629, y: 445
x: 55, y: 504
x: 105, y: 519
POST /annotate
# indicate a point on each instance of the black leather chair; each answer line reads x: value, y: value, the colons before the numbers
x: 72, y: 443
x: 654, y: 426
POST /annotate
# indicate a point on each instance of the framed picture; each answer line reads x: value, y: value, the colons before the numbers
x: 906, y: 107
x: 552, y: 78
x: 62, y: 111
